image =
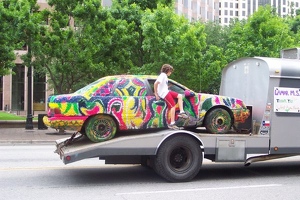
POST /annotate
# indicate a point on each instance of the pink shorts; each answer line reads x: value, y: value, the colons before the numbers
x: 170, y: 99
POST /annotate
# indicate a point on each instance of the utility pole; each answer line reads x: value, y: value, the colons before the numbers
x: 29, y: 124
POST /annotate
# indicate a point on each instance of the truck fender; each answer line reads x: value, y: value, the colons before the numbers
x: 177, y: 132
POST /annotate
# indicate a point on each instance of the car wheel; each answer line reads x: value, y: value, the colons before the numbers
x: 218, y: 121
x: 178, y: 159
x: 100, y: 128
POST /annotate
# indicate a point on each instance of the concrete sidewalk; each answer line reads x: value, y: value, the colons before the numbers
x: 34, y: 136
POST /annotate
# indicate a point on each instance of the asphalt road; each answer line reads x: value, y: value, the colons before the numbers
x: 35, y: 172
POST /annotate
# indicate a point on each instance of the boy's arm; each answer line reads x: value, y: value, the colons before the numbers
x: 155, y: 90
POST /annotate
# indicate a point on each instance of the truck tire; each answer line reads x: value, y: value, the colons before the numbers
x: 178, y: 159
x: 218, y: 121
x: 100, y: 128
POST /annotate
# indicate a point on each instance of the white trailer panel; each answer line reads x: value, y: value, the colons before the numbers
x: 271, y: 86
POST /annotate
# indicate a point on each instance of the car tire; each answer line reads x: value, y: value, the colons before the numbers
x: 218, y: 120
x: 178, y: 159
x: 100, y: 128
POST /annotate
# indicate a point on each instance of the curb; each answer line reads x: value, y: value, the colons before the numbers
x: 16, y: 124
x: 23, y: 142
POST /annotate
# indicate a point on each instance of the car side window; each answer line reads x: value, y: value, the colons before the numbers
x: 172, y: 86
x: 176, y: 88
x: 131, y: 87
x: 151, y: 84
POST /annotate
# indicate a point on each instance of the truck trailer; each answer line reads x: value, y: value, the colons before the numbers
x: 271, y: 89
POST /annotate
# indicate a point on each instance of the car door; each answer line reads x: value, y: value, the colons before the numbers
x: 133, y: 93
x: 157, y: 108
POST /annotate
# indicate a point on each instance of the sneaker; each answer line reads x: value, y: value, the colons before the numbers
x: 183, y: 115
x: 173, y: 126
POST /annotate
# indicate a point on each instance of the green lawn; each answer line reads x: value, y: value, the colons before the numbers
x: 10, y: 116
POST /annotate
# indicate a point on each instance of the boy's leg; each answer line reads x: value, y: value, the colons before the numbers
x: 172, y: 125
x: 180, y: 104
x: 172, y: 112
x: 171, y: 108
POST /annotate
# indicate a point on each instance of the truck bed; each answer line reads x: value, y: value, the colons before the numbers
x: 139, y: 144
x: 147, y: 144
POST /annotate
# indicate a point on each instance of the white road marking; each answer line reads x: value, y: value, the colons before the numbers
x: 199, y: 189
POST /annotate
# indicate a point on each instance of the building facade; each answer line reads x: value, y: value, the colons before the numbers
x: 242, y: 9
x: 198, y: 10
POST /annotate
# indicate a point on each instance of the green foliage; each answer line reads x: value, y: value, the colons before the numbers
x: 143, y: 4
x: 212, y: 63
x: 73, y: 57
x: 8, y: 36
x: 264, y: 34
x: 217, y: 35
x: 170, y: 38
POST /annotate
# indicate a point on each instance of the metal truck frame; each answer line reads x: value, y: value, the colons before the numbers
x: 271, y: 88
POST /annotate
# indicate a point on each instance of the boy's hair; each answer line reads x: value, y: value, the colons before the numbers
x: 166, y: 68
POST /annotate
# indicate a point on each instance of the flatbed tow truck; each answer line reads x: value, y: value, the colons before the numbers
x: 271, y: 88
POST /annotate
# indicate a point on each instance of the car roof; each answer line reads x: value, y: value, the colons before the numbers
x: 132, y: 76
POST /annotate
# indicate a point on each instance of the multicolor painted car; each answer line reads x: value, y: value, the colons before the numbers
x: 114, y: 104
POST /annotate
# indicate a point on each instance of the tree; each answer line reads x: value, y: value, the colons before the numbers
x: 217, y: 34
x: 170, y: 38
x: 212, y: 64
x: 82, y: 43
x: 144, y: 4
x: 213, y: 60
x: 9, y: 13
x: 28, y: 27
x: 132, y: 12
x: 294, y: 24
x: 263, y: 34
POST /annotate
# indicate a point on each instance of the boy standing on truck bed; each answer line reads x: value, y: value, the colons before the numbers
x: 161, y: 90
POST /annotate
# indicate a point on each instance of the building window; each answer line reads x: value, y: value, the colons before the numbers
x: 185, y: 3
x: 17, y: 102
x: 39, y: 88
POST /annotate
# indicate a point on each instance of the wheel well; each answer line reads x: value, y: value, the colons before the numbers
x: 185, y: 133
x: 219, y: 106
x: 86, y: 121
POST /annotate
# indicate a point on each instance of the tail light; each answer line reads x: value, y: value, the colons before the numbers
x: 54, y: 112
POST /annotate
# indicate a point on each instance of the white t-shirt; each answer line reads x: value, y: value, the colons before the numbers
x: 162, y: 88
